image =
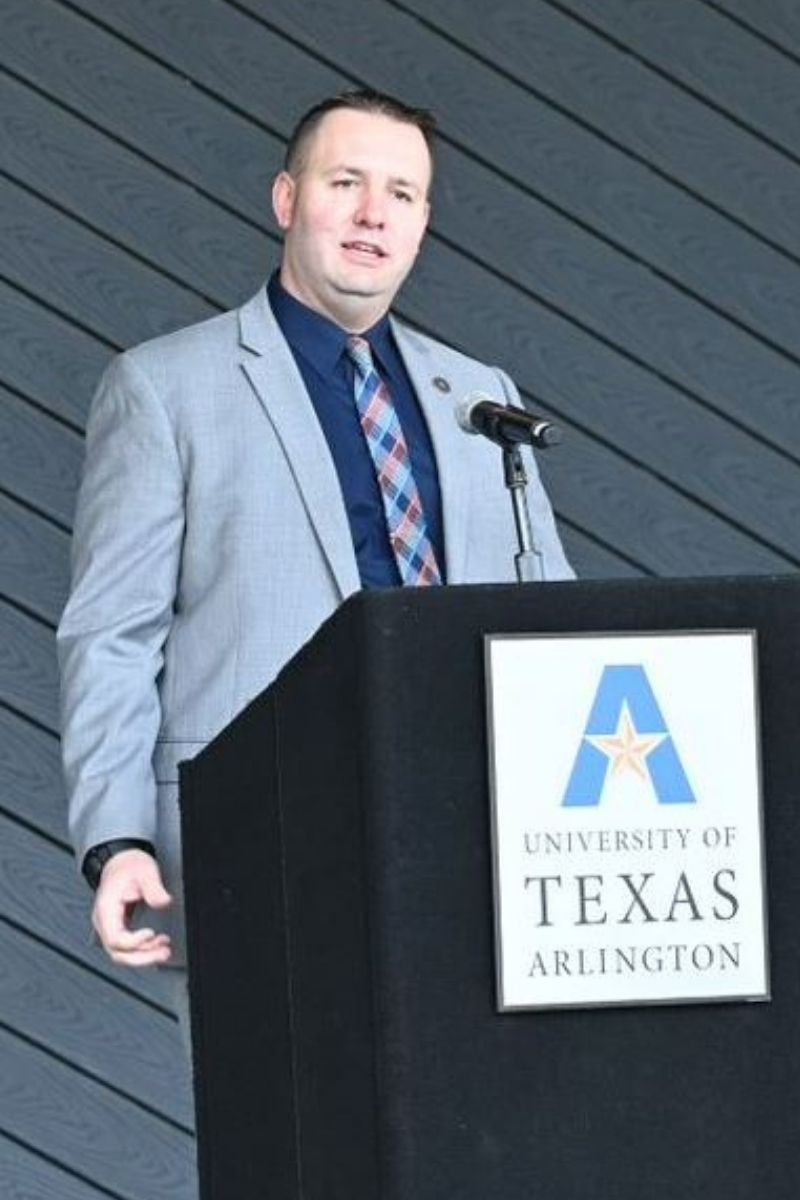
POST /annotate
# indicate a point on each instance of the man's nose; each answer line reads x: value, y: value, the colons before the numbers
x: 371, y: 210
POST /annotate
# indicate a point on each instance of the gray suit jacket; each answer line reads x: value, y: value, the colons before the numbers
x: 211, y: 541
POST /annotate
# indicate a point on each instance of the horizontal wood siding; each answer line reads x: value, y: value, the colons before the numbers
x: 616, y: 221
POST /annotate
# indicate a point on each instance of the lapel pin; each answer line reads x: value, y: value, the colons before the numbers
x: 441, y: 384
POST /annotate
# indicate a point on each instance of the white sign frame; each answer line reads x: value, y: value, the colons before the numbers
x: 532, y: 677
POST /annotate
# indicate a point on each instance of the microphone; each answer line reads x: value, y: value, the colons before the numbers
x: 507, y: 426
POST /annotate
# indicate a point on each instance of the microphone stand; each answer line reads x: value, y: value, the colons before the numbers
x: 528, y: 562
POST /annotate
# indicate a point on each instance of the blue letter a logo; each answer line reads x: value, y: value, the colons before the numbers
x: 626, y: 732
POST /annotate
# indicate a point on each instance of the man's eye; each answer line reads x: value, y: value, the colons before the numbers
x: 404, y: 196
x: 343, y: 183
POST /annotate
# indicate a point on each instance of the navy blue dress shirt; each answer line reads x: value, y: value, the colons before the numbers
x: 320, y: 350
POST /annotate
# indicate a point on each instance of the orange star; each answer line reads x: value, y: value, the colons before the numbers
x: 628, y: 749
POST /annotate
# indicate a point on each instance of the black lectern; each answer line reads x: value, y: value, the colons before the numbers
x: 339, y: 900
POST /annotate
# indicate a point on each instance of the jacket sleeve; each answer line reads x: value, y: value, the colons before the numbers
x: 554, y: 560
x: 125, y: 560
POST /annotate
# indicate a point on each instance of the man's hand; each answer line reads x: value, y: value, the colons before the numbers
x: 129, y: 878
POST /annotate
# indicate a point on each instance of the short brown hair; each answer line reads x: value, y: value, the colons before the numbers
x: 362, y: 100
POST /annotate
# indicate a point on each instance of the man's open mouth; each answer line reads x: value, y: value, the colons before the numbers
x: 365, y: 248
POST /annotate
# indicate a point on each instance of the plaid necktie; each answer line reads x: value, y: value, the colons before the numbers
x: 402, y: 506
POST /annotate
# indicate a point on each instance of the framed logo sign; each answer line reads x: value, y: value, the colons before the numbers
x: 626, y: 819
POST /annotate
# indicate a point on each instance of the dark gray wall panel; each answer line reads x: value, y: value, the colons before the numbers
x: 181, y: 234
x: 113, y: 87
x: 538, y: 349
x: 627, y: 305
x: 221, y: 48
x: 34, y: 561
x: 90, y: 1129
x: 30, y: 777
x: 532, y: 141
x: 735, y: 272
x: 90, y: 1023
x: 27, y: 1176
x: 597, y: 561
x: 40, y: 459
x: 47, y: 358
x: 619, y: 99
x: 28, y: 680
x: 82, y: 277
x: 776, y: 20
x: 711, y: 55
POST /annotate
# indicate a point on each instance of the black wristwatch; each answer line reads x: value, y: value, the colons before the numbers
x: 96, y: 858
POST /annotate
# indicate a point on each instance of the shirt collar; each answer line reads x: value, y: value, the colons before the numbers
x: 321, y: 341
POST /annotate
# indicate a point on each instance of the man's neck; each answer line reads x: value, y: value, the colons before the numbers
x: 353, y: 317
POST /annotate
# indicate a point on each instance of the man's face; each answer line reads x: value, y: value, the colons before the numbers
x: 354, y: 215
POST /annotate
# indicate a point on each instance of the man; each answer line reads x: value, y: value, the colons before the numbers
x: 237, y: 489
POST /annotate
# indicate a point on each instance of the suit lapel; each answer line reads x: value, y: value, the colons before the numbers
x: 272, y: 371
x: 448, y: 447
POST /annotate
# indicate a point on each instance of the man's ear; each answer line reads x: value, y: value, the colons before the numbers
x: 283, y: 193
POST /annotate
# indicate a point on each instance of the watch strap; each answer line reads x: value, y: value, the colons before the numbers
x: 95, y: 859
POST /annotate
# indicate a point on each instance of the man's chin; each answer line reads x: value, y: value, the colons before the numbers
x: 360, y: 289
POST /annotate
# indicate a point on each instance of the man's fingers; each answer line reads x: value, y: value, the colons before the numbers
x: 154, y: 956
x: 135, y: 939
x: 139, y: 947
x: 154, y: 893
x: 130, y: 878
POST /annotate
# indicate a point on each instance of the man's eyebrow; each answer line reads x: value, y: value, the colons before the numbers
x: 398, y: 181
x: 395, y: 181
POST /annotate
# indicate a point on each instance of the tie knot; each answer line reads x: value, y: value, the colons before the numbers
x: 360, y: 354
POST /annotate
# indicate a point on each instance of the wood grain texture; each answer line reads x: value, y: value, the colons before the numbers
x: 34, y: 561
x: 713, y: 56
x: 79, y: 274
x: 685, y: 240
x: 143, y: 208
x: 40, y: 459
x: 48, y: 358
x: 232, y: 56
x: 543, y: 149
x: 41, y: 891
x: 31, y: 784
x: 619, y: 99
x: 89, y: 1129
x: 563, y: 371
x: 616, y: 500
x: 624, y: 303
x: 28, y: 679
x: 147, y: 106
x: 27, y: 1176
x: 592, y: 560
x: 93, y: 1025
x: 778, y: 20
